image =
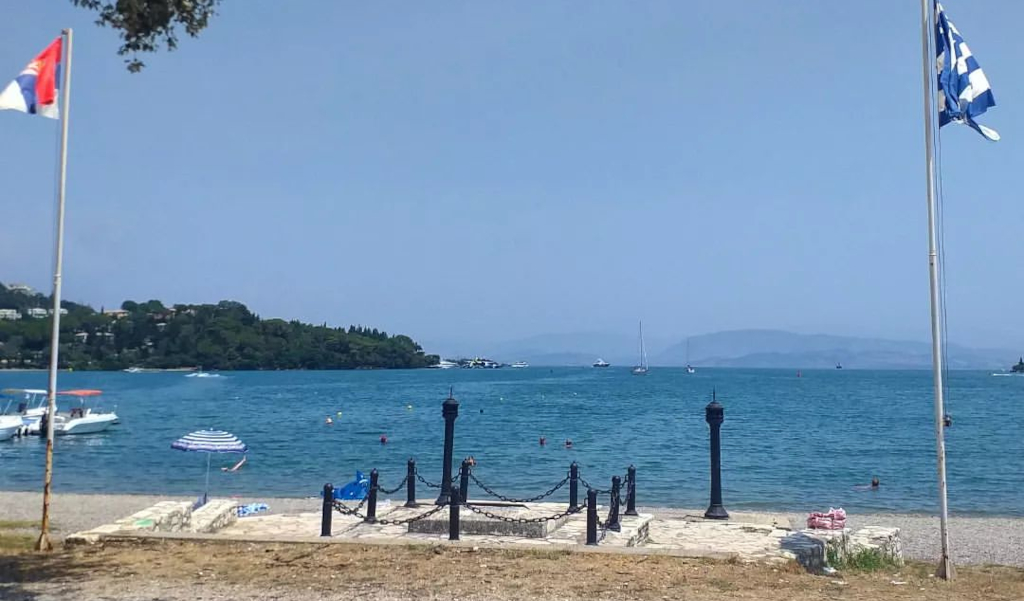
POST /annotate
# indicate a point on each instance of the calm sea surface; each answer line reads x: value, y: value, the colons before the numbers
x: 788, y: 442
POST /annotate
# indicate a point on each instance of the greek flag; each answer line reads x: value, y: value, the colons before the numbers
x: 964, y: 91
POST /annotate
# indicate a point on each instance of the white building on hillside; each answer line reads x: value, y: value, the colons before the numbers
x: 10, y: 314
x: 36, y: 312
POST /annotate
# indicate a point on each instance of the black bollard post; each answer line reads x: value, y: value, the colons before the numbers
x: 714, y: 414
x: 591, y: 516
x: 328, y: 510
x: 410, y: 484
x: 613, y: 514
x: 464, y: 481
x: 631, y: 491
x: 453, y: 516
x: 574, y: 486
x: 371, y: 502
x: 450, y: 411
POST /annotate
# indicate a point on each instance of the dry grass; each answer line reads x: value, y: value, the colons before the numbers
x: 417, y: 572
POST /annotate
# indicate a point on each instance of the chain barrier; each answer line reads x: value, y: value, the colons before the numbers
x: 400, y: 486
x: 597, y: 490
x: 415, y: 518
x: 503, y: 518
x: 428, y: 483
x: 491, y: 492
x: 340, y: 508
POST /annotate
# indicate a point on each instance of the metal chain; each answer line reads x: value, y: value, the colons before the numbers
x: 503, y: 518
x: 354, y: 511
x: 488, y: 490
x: 427, y: 482
x: 400, y: 486
x: 597, y: 490
x: 415, y: 518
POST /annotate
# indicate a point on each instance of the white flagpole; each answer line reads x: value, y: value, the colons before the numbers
x: 44, y: 544
x: 931, y: 110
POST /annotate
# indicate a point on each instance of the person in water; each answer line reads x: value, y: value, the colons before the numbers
x: 471, y: 461
x: 947, y: 420
x: 235, y: 467
x: 875, y: 483
x: 543, y: 441
x: 329, y: 421
x: 383, y: 439
x: 568, y: 443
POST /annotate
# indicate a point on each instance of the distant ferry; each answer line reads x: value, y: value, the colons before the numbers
x: 520, y: 364
x: 601, y: 363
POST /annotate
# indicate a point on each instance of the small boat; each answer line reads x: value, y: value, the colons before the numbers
x: 82, y: 419
x: 689, y: 368
x: 601, y: 363
x: 479, y: 363
x: 520, y: 364
x: 202, y: 374
x: 31, y: 408
x: 445, y: 364
x: 641, y: 369
x: 839, y: 366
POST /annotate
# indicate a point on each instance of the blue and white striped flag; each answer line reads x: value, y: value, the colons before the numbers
x: 964, y: 91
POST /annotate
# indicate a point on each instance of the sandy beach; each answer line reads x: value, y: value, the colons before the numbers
x: 975, y: 540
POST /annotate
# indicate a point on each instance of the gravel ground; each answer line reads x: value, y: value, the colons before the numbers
x: 975, y: 540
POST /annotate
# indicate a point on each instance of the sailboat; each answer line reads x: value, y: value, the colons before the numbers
x: 641, y: 369
x: 689, y: 368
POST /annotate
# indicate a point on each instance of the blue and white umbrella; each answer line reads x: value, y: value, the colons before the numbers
x: 209, y: 442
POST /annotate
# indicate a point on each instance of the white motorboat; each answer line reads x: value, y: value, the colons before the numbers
x: 31, y: 407
x: 202, y: 374
x: 79, y: 420
x: 520, y: 364
x: 446, y: 364
x: 601, y: 363
x: 10, y: 425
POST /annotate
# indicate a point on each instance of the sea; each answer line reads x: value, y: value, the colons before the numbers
x: 794, y: 441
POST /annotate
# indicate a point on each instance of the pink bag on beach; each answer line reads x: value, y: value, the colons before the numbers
x: 834, y: 519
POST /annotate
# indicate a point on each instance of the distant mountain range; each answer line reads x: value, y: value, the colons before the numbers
x: 745, y: 348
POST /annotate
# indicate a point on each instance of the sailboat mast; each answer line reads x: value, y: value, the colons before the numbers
x: 928, y: 54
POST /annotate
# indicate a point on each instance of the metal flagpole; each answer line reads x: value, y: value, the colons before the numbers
x: 44, y: 544
x: 945, y: 569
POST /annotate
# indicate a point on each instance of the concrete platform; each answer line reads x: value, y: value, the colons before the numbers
x: 765, y: 539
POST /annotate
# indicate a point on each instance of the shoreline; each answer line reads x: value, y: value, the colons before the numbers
x: 975, y: 540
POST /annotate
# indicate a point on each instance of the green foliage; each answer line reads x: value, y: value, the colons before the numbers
x: 224, y: 336
x: 145, y: 25
x: 862, y: 560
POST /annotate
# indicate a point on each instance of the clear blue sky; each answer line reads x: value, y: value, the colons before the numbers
x: 489, y: 170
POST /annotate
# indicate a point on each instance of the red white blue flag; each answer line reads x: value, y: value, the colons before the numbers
x: 34, y: 91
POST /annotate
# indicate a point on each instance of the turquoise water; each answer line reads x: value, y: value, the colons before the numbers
x: 788, y: 443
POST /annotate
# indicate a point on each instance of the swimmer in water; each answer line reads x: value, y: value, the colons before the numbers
x: 568, y: 443
x: 947, y: 420
x: 543, y: 441
x: 875, y: 483
x: 383, y: 439
x: 471, y: 461
x: 235, y: 467
x: 328, y: 421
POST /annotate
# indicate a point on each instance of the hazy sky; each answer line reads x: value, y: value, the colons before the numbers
x: 483, y: 170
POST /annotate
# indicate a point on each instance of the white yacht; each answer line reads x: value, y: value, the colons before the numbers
x: 601, y: 363
x: 446, y: 364
x: 641, y: 369
x: 520, y: 364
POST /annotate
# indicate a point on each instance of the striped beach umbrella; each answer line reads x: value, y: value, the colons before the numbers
x: 209, y: 442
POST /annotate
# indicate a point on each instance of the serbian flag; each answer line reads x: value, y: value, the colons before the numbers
x: 35, y: 90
